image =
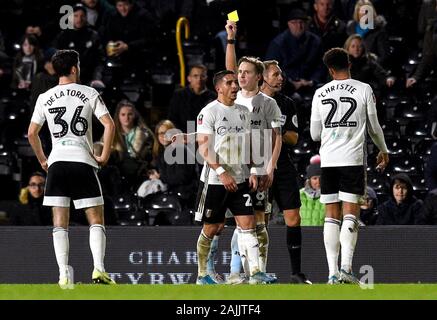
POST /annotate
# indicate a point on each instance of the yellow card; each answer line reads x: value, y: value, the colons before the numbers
x: 233, y: 16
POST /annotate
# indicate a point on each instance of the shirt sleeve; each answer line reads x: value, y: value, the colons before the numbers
x: 38, y: 115
x: 274, y: 116
x: 370, y: 100
x: 316, y: 120
x: 289, y: 116
x: 373, y: 127
x: 205, y: 123
x: 98, y: 105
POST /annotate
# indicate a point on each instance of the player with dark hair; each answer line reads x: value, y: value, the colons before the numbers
x: 265, y: 125
x: 72, y: 167
x: 222, y: 134
x: 341, y: 111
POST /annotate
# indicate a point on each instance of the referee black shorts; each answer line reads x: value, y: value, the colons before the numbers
x: 75, y: 181
x: 285, y: 188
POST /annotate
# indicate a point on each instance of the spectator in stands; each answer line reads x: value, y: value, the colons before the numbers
x: 98, y: 12
x: 86, y: 41
x: 429, y: 55
x: 43, y: 81
x: 376, y: 38
x: 31, y: 197
x: 133, y: 141
x: 28, y: 62
x: 130, y: 30
x: 368, y: 213
x: 299, y: 52
x: 180, y: 177
x: 403, y: 208
x: 365, y: 66
x: 312, y: 212
x: 187, y: 102
x: 427, y: 16
x: 430, y: 208
x: 326, y: 25
x: 431, y: 169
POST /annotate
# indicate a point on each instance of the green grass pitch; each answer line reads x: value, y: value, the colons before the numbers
x: 219, y: 292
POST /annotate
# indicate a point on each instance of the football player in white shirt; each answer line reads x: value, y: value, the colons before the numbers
x: 341, y: 112
x: 224, y: 143
x: 265, y: 116
x: 72, y: 167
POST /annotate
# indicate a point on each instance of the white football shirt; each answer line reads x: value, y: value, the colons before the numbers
x: 342, y: 108
x: 264, y: 115
x: 229, y: 128
x: 68, y: 110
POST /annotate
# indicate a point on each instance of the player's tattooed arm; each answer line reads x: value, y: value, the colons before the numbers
x: 231, y: 56
x: 108, y: 137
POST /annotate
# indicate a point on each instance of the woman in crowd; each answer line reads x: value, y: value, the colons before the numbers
x: 28, y: 62
x: 133, y: 141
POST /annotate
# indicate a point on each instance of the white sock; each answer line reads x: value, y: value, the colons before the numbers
x: 62, y: 246
x: 98, y: 245
x: 263, y: 240
x: 235, y: 257
x: 203, y: 248
x: 331, y: 237
x: 348, y: 240
x: 249, y: 250
x: 211, y: 255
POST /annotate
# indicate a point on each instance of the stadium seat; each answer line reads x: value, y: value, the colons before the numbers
x: 417, y: 129
x: 423, y: 147
x: 127, y: 209
x: 391, y: 129
x: 398, y: 147
x: 162, y: 209
x: 377, y: 182
x: 406, y: 164
x: 419, y: 185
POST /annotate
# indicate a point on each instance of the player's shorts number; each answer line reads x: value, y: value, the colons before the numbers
x: 60, y: 111
x: 248, y: 200
x: 343, y: 121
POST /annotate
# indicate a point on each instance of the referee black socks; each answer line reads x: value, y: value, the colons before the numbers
x: 294, y: 245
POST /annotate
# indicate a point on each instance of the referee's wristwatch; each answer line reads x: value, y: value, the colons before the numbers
x: 220, y: 171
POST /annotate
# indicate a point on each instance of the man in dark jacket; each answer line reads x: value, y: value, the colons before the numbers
x: 187, y: 102
x: 327, y: 26
x: 403, y: 208
x: 97, y: 12
x: 429, y: 56
x: 130, y: 30
x: 86, y: 41
x: 299, y: 52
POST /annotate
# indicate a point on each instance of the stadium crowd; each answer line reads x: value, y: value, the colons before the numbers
x: 128, y: 53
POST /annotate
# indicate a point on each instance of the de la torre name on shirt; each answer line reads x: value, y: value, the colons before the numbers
x: 66, y: 92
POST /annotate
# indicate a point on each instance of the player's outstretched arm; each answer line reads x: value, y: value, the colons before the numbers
x: 35, y: 142
x: 108, y: 137
x: 231, y: 56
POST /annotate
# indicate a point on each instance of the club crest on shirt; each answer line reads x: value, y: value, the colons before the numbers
x: 200, y: 119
